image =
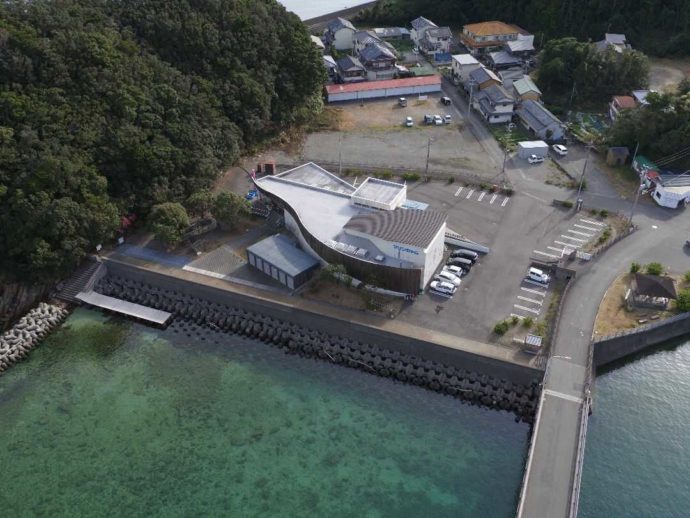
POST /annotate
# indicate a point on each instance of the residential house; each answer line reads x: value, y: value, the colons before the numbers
x: 378, y: 61
x: 462, y: 65
x: 620, y: 103
x: 503, y: 59
x: 522, y: 47
x: 525, y: 88
x: 480, y: 38
x: 351, y: 70
x: 540, y: 121
x: 495, y: 104
x: 363, y: 39
x: 436, y: 40
x: 481, y: 78
x: 318, y: 43
x: 392, y: 33
x: 617, y: 42
x: 339, y: 33
x: 331, y: 66
x: 640, y: 97
x: 419, y: 27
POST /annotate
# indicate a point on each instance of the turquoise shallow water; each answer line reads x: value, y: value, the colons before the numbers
x: 112, y: 418
x: 637, y: 456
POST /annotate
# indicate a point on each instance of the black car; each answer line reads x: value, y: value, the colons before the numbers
x: 467, y: 254
x: 463, y: 263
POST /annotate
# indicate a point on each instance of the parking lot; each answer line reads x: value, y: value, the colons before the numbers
x: 371, y: 126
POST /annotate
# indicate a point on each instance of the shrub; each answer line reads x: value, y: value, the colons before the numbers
x: 451, y: 179
x: 527, y: 322
x: 686, y: 277
x: 514, y: 321
x: 508, y: 191
x: 683, y: 301
x: 655, y: 268
x: 593, y: 212
x: 567, y: 204
x: 540, y: 328
x: 483, y: 186
x: 501, y: 328
x: 635, y: 267
x: 411, y: 177
x: 604, y: 213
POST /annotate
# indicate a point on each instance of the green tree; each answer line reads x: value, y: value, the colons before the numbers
x: 654, y: 268
x: 683, y: 300
x: 228, y: 207
x: 200, y: 202
x: 168, y: 222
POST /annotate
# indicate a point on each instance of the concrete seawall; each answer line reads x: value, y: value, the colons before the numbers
x: 611, y: 348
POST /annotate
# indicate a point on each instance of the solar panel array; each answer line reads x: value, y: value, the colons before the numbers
x: 348, y: 249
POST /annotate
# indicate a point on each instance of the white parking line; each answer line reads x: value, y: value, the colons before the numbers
x: 569, y: 245
x: 574, y: 238
x: 580, y: 233
x: 469, y: 194
x: 536, y: 312
x: 536, y: 292
x: 481, y: 196
x: 493, y: 198
x: 589, y: 221
x: 457, y: 193
x: 537, y: 302
x: 587, y: 228
x: 517, y: 316
x: 559, y: 250
x: 546, y: 254
x: 535, y: 283
x: 504, y: 202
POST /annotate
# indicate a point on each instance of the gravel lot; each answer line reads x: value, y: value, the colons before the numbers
x: 372, y: 134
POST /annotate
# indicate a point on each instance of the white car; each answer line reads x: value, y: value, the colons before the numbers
x: 409, y: 122
x: 447, y: 119
x: 455, y: 270
x: 438, y: 120
x: 444, y: 288
x: 534, y: 159
x: 445, y: 276
x: 537, y: 275
x: 560, y: 150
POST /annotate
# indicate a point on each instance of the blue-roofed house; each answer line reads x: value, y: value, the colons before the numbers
x: 351, y: 70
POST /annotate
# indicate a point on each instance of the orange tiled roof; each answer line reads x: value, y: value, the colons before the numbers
x: 490, y: 28
x: 624, y: 101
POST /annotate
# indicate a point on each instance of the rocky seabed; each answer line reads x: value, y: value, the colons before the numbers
x: 26, y: 334
x: 193, y: 314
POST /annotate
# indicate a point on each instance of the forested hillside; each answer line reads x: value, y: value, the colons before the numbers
x: 660, y: 27
x: 112, y: 106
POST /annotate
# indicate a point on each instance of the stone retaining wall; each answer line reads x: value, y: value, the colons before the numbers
x: 356, y: 346
x: 26, y: 334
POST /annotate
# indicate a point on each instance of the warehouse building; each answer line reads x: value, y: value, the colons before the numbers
x: 367, y: 229
x: 280, y: 258
x: 386, y: 88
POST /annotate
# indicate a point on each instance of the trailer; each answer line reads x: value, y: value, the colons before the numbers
x: 533, y: 147
x: 671, y: 191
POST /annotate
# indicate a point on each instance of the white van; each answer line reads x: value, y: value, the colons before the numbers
x: 444, y: 288
x: 445, y: 276
x: 537, y: 275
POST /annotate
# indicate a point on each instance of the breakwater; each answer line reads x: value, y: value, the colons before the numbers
x: 26, y: 334
x: 197, y: 316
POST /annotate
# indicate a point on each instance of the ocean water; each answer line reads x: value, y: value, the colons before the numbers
x: 110, y: 418
x: 637, y: 455
x: 307, y: 9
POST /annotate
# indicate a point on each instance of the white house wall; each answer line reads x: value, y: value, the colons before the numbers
x: 433, y: 256
x: 384, y: 92
x: 343, y: 39
x: 293, y: 227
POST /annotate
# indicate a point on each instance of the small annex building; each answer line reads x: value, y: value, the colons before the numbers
x: 650, y: 291
x: 278, y: 257
x: 384, y: 88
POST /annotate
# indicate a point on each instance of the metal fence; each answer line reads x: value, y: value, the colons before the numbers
x: 644, y: 328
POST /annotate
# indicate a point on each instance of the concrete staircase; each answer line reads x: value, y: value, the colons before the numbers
x: 82, y: 280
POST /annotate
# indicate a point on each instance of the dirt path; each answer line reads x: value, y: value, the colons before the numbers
x: 665, y: 74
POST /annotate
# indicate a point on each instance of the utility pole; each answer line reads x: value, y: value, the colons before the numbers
x: 469, y: 104
x: 428, y: 150
x: 572, y: 94
x: 340, y: 156
x: 582, y: 176
x: 634, y: 205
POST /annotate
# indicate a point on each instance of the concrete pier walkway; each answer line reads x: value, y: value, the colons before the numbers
x: 123, y: 307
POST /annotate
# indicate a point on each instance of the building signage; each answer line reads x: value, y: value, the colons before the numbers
x: 401, y: 248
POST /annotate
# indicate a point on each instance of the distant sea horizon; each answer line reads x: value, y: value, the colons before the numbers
x: 307, y: 9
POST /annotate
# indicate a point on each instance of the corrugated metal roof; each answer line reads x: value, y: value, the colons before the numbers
x: 537, y: 116
x: 465, y: 59
x: 388, y: 83
x: 525, y: 85
x: 283, y: 254
x: 406, y: 226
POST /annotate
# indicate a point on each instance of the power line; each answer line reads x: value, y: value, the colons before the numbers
x: 674, y: 156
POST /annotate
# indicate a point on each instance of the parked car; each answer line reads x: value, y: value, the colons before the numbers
x: 446, y: 100
x: 537, y: 275
x: 428, y: 119
x: 438, y: 120
x: 447, y: 119
x: 455, y: 270
x: 443, y: 287
x: 402, y: 102
x: 251, y: 195
x: 467, y: 254
x: 534, y: 159
x: 463, y: 263
x: 448, y: 277
x: 560, y: 149
x: 409, y: 122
